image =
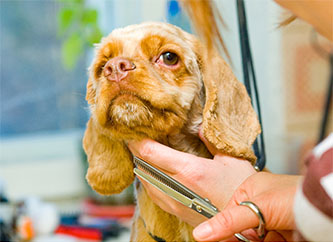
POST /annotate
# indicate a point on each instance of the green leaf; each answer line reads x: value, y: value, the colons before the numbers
x: 65, y: 18
x: 89, y: 16
x: 93, y: 34
x: 71, y: 50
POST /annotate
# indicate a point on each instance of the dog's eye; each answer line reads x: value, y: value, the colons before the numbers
x: 169, y: 58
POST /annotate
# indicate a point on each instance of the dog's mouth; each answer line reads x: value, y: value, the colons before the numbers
x: 130, y: 110
x: 126, y: 97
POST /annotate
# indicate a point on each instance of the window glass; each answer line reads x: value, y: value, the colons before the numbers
x: 37, y: 92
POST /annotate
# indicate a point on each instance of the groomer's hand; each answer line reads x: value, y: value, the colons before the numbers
x: 274, y: 196
x: 215, y: 179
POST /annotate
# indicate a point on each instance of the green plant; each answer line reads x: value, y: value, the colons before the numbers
x: 78, y: 28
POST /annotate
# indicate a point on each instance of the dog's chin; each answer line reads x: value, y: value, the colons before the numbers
x: 129, y: 111
x: 131, y: 117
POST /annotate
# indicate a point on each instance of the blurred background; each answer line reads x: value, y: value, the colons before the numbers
x: 46, y: 48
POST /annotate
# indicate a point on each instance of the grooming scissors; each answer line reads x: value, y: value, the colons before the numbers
x: 176, y: 190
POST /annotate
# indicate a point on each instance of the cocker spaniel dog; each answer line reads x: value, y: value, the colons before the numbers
x: 154, y: 80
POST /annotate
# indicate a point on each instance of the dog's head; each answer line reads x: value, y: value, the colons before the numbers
x: 147, y: 80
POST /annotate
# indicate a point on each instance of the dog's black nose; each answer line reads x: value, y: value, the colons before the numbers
x: 117, y: 68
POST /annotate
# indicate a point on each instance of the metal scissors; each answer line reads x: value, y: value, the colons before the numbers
x: 176, y: 190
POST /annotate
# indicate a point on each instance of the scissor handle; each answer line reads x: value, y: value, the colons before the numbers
x: 209, y: 210
x: 204, y: 207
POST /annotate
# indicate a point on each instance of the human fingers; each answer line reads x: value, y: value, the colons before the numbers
x: 164, y: 157
x: 250, y: 234
x: 274, y: 236
x: 276, y: 205
x: 159, y: 198
x: 212, y: 149
x: 271, y: 236
x: 225, y: 224
x: 288, y: 235
x: 273, y: 194
x: 172, y: 206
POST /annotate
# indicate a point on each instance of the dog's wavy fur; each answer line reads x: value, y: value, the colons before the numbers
x: 165, y: 104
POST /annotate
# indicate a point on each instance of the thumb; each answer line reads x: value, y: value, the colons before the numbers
x: 212, y: 149
x: 226, y: 223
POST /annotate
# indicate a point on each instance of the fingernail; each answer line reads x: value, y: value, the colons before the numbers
x: 203, y: 231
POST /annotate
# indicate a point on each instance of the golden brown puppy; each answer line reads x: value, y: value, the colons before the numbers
x: 155, y: 80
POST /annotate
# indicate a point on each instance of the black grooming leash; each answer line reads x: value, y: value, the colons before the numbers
x: 250, y: 83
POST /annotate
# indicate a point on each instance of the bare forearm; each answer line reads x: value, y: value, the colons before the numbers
x: 318, y: 13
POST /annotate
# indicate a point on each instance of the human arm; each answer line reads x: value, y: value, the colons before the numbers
x: 318, y: 13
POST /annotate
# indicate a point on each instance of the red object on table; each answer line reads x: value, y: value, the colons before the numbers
x: 91, y: 208
x: 80, y: 232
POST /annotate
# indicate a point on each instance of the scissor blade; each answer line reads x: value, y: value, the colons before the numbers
x: 164, y: 188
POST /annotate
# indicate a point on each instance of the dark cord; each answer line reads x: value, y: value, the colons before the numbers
x: 250, y: 82
x: 328, y: 101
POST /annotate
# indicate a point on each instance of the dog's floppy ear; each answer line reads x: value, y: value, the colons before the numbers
x: 110, y: 165
x: 91, y: 92
x: 229, y: 121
